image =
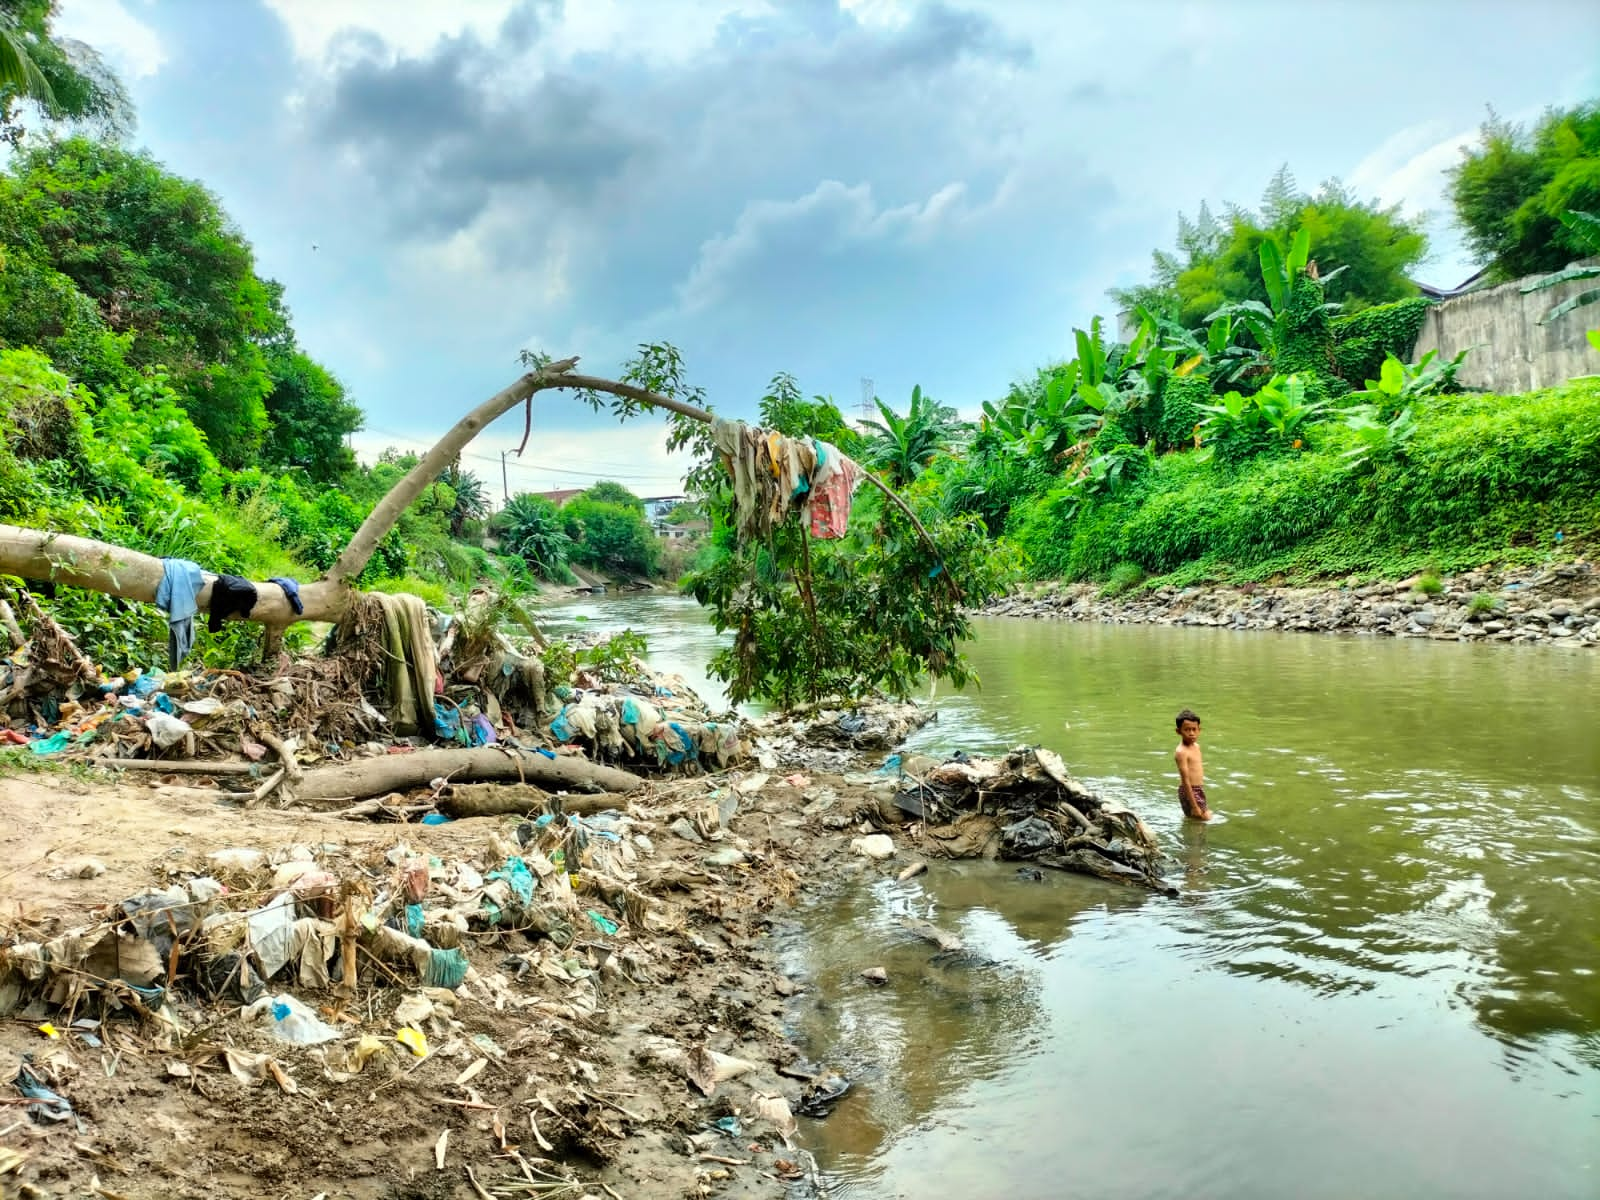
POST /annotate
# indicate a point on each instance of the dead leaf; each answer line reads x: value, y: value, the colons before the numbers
x: 439, y: 1148
x: 701, y: 1070
x: 472, y: 1072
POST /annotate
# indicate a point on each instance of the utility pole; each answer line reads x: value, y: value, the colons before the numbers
x: 866, y: 399
x: 505, y: 481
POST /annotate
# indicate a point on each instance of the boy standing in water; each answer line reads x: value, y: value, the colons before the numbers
x: 1191, y: 771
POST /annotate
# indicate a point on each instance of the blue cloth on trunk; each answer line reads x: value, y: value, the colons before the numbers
x: 291, y: 589
x: 181, y: 581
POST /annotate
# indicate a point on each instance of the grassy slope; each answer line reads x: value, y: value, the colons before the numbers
x: 1485, y: 479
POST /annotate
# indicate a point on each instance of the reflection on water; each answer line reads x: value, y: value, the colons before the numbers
x: 1380, y: 980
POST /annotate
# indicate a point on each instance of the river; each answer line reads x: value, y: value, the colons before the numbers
x: 1380, y: 980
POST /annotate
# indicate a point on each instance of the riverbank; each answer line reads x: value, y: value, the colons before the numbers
x: 596, y: 1054
x: 1555, y: 605
x: 625, y: 1026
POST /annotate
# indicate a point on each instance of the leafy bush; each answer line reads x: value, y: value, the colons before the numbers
x: 1479, y: 478
x: 1240, y: 426
x: 1182, y: 401
x: 431, y: 592
x: 609, y: 536
x: 1361, y: 342
x: 1124, y: 577
x: 530, y: 527
x: 1398, y: 383
x: 1480, y: 604
x: 613, y: 658
x: 1429, y: 583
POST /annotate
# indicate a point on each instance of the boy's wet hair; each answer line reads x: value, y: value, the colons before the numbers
x: 1187, y: 714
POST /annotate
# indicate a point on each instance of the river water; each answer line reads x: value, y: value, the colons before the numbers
x: 1382, y: 977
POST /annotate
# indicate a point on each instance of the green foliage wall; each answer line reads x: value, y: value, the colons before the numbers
x: 1181, y: 398
x: 1361, y: 342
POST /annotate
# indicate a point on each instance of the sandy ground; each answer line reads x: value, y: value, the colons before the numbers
x: 157, y: 1113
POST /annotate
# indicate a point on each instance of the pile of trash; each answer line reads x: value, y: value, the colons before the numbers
x: 656, y: 719
x: 833, y: 736
x: 1022, y: 807
x: 231, y: 928
x: 500, y: 958
x: 395, y: 676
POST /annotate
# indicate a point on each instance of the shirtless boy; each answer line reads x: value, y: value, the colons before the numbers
x: 1191, y: 771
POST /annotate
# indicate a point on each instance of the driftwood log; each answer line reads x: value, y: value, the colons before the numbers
x: 400, y: 772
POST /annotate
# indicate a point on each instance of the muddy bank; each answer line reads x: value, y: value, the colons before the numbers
x: 1556, y: 605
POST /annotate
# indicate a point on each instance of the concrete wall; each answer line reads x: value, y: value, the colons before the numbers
x: 1512, y: 351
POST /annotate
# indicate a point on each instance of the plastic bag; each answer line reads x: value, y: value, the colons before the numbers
x: 166, y: 730
x: 291, y: 1021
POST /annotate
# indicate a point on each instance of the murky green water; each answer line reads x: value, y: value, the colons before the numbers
x: 1382, y: 978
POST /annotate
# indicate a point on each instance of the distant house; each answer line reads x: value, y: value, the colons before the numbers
x: 688, y: 531
x: 559, y: 498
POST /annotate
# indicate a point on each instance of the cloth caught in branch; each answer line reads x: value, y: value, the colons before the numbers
x: 291, y: 590
x: 833, y: 485
x: 230, y: 594
x: 773, y: 474
x: 181, y: 581
x: 411, y: 663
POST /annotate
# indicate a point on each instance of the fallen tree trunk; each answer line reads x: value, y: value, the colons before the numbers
x: 116, y: 571
x: 398, y: 772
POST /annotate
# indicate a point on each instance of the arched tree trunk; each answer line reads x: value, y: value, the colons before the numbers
x: 117, y: 571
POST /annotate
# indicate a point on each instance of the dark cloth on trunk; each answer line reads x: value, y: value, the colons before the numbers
x: 230, y: 594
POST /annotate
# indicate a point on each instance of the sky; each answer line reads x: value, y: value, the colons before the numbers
x: 891, y: 191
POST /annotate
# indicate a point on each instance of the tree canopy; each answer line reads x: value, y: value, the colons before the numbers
x: 65, y: 80
x: 1510, y: 189
x: 114, y: 262
x: 1216, y: 261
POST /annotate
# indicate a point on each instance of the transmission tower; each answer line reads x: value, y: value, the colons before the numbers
x: 866, y: 410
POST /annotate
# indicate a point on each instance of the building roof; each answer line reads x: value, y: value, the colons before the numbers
x: 560, y: 497
x: 1470, y: 284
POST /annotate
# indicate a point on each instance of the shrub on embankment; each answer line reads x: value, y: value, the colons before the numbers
x: 1483, y: 478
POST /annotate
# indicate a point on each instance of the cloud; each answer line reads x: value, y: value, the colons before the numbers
x: 439, y: 134
x: 830, y: 221
x: 410, y: 27
x: 132, y: 47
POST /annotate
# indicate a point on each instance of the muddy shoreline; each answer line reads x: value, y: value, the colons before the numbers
x: 1557, y: 605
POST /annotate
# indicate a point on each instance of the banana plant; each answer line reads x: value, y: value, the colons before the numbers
x: 1269, y: 324
x: 1398, y: 382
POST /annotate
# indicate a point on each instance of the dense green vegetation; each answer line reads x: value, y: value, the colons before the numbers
x: 1511, y: 189
x: 1216, y: 261
x: 1252, y: 426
